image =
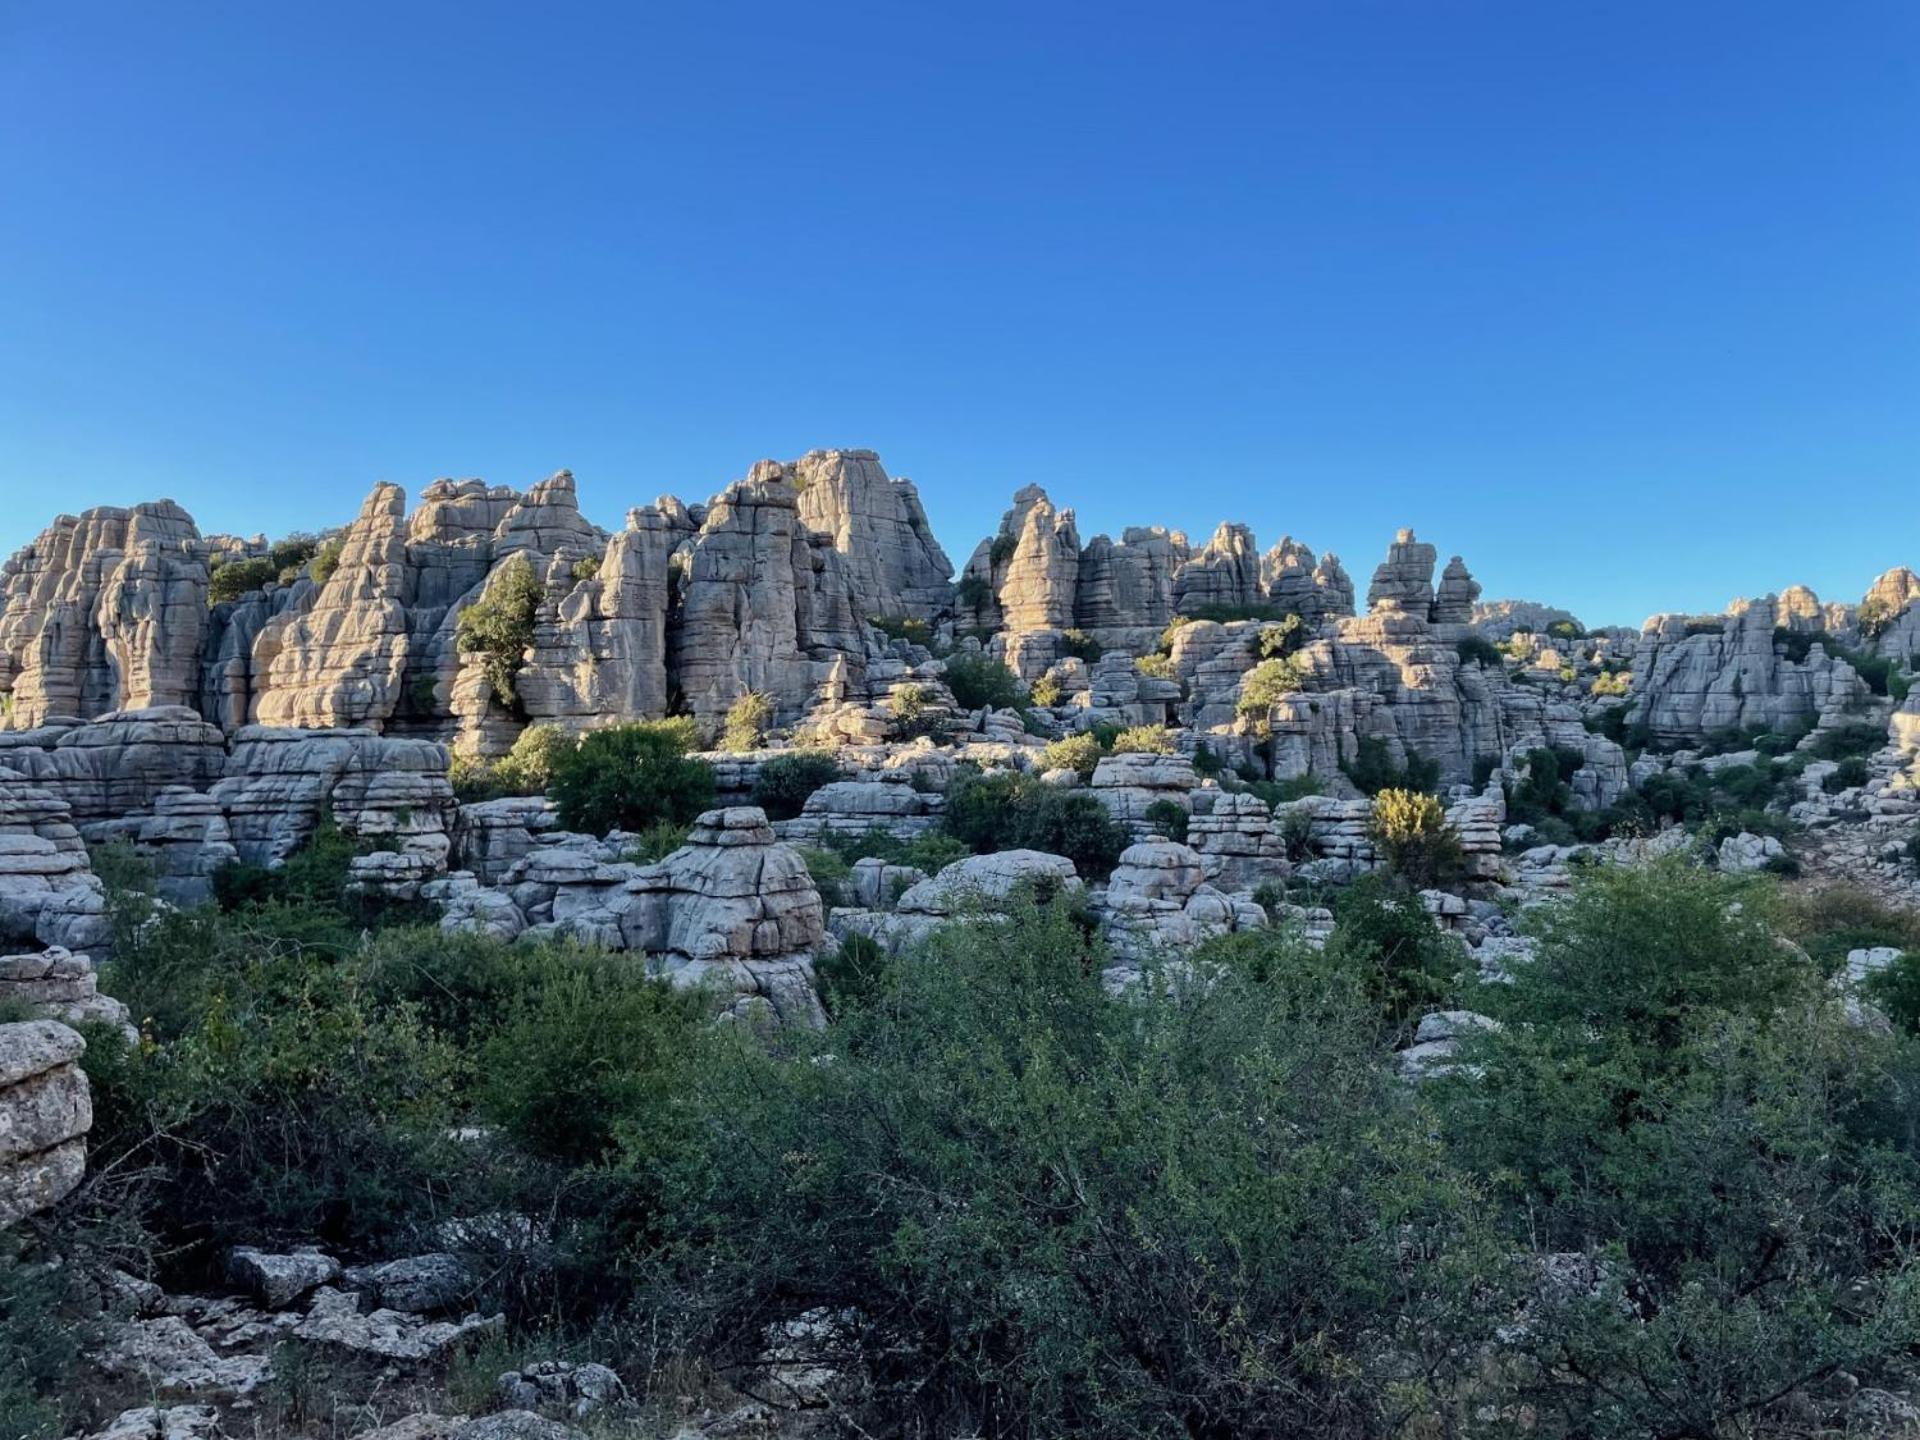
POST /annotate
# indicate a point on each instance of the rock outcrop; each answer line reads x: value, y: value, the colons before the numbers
x: 734, y: 908
x: 46, y: 1110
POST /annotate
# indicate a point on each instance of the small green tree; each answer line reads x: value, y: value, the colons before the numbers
x: 629, y: 777
x: 237, y: 578
x: 1410, y: 830
x: 498, y: 627
x: 1264, y: 686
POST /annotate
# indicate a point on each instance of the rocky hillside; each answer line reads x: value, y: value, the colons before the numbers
x: 467, y: 973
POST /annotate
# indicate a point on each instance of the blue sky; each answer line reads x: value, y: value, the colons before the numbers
x: 1620, y: 301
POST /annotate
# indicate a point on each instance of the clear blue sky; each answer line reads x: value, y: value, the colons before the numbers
x: 1622, y: 301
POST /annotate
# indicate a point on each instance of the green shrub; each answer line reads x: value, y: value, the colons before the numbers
x: 1157, y: 667
x: 978, y: 680
x: 748, y: 720
x: 1010, y: 811
x: 1672, y: 1093
x: 972, y: 592
x: 1002, y: 550
x: 587, y: 567
x: 273, y: 1099
x: 48, y: 1320
x: 1081, y: 646
x: 1170, y: 818
x: 1048, y: 690
x: 628, y: 777
x: 830, y: 872
x: 851, y: 975
x: 1056, y: 1212
x: 1277, y: 641
x: 1144, y: 740
x: 1566, y: 630
x: 1080, y: 753
x: 1876, y: 616
x: 1386, y: 942
x: 930, y: 852
x: 239, y: 577
x: 327, y: 559
x: 784, y: 782
x: 1848, y: 774
x: 526, y: 769
x: 912, y: 708
x: 1409, y: 828
x: 498, y: 627
x: 581, y: 1064
x: 1845, y: 741
x: 910, y: 628
x: 657, y: 842
x: 1372, y: 769
x: 1477, y: 651
x: 1262, y: 687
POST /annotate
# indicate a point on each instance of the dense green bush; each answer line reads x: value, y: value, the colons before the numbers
x: 239, y: 577
x: 1045, y: 1211
x: 1262, y: 687
x: 784, y: 782
x: 1409, y: 828
x: 1849, y: 773
x: 327, y: 559
x: 1170, y: 818
x: 1144, y: 740
x: 1402, y: 961
x: 498, y: 627
x: 1844, y: 742
x: 978, y: 680
x: 1372, y: 769
x: 629, y: 777
x: 1673, y: 1093
x: 1080, y: 753
x: 1081, y: 646
x: 526, y: 769
x: 910, y: 628
x: 1477, y: 651
x: 912, y: 709
x: 748, y: 720
x: 1011, y: 811
x: 930, y: 852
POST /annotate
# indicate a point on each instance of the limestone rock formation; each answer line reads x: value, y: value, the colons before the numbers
x: 1224, y: 574
x: 1123, y: 593
x: 734, y: 908
x: 342, y: 661
x: 1453, y: 603
x: 102, y: 611
x: 895, y: 566
x: 1404, y: 581
x: 280, y: 784
x: 48, y: 892
x: 1158, y: 902
x: 1032, y: 567
x: 46, y: 1110
x: 1694, y: 677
